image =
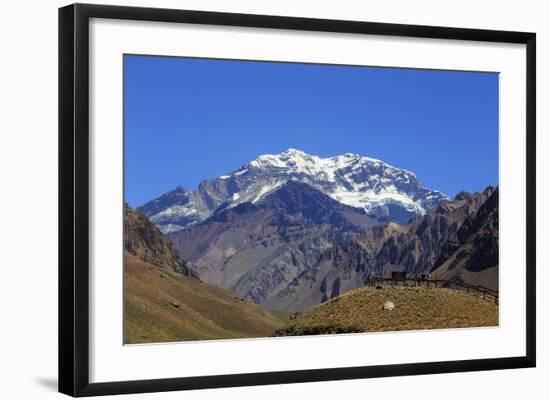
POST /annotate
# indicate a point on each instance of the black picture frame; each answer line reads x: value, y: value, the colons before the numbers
x: 74, y: 198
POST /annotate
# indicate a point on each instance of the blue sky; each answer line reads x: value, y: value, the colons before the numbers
x: 192, y: 119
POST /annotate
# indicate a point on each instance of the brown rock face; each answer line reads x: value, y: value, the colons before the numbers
x: 143, y: 240
x: 297, y: 248
x: 258, y: 249
x: 473, y: 256
x: 458, y: 240
x: 428, y: 242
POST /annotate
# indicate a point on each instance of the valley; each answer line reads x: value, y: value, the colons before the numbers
x: 296, y: 236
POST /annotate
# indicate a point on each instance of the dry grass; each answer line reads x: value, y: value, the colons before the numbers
x: 163, y: 306
x: 416, y: 308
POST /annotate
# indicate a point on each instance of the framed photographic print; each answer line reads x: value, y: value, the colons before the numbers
x: 250, y: 199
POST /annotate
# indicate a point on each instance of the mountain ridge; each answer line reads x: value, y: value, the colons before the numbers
x: 255, y: 249
x: 383, y: 191
x: 143, y: 240
x: 414, y: 248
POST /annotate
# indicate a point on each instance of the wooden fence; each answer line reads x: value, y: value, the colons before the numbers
x: 476, y: 290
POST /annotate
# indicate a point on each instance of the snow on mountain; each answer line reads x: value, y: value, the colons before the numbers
x: 383, y: 191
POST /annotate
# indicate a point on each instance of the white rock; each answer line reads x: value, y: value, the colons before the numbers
x: 389, y: 305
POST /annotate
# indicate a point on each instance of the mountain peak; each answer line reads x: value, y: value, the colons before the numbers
x: 181, y: 189
x: 283, y: 159
x: 370, y: 184
x: 291, y: 151
x: 350, y: 155
x: 297, y: 159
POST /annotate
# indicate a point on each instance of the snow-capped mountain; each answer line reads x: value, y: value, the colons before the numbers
x: 383, y: 191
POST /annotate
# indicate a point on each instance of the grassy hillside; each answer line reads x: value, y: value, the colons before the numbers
x: 362, y: 310
x: 161, y: 305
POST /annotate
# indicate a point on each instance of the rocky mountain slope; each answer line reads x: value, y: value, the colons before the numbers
x: 384, y: 192
x: 473, y: 250
x: 144, y: 240
x: 164, y: 301
x: 435, y: 241
x: 258, y: 249
x: 297, y: 247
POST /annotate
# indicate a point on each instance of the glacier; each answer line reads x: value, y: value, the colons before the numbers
x: 380, y: 189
